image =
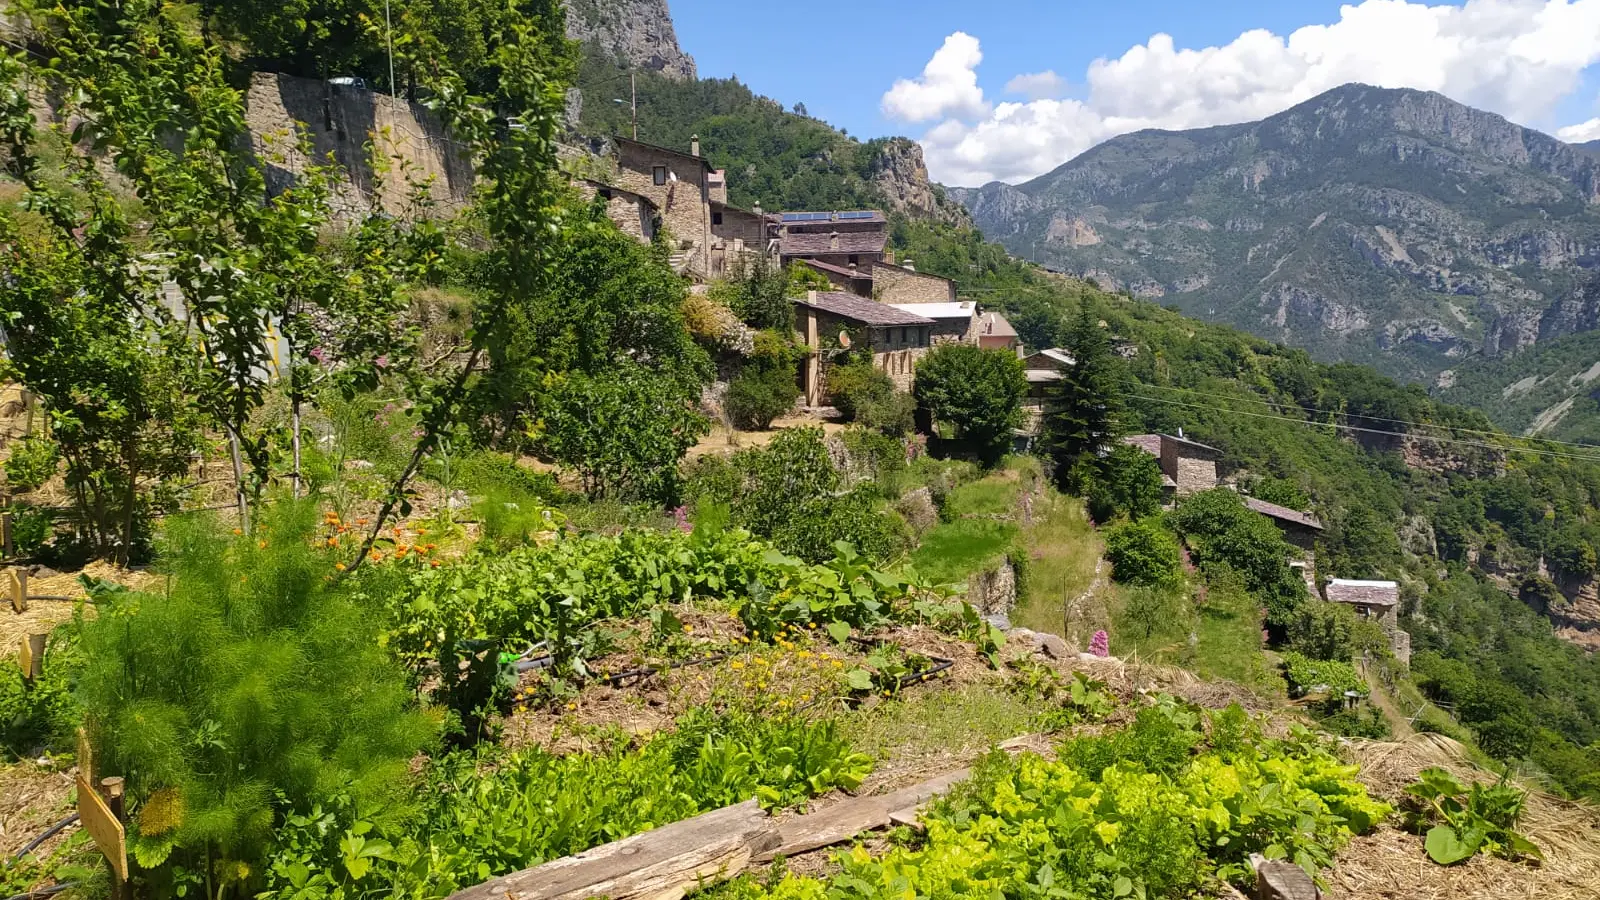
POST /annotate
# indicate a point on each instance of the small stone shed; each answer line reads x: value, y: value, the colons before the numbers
x: 1190, y: 466
x: 895, y: 338
x: 953, y: 322
x: 1376, y: 600
x: 904, y: 284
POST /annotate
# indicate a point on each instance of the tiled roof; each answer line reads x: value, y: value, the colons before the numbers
x: 995, y: 325
x: 1283, y: 512
x: 1055, y: 354
x: 813, y: 244
x: 681, y: 154
x: 860, y: 309
x: 887, y: 265
x: 962, y: 310
x: 1371, y: 593
x: 837, y: 270
x: 1149, y: 443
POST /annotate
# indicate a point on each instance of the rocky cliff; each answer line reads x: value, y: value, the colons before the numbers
x: 1394, y: 227
x: 899, y: 174
x: 637, y: 33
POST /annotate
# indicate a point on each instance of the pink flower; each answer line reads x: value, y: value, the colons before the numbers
x: 1100, y: 644
x: 382, y: 361
x: 681, y: 517
x: 320, y: 354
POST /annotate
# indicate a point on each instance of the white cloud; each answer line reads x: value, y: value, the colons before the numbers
x: 1046, y: 85
x: 1515, y: 57
x: 1583, y: 131
x: 948, y: 85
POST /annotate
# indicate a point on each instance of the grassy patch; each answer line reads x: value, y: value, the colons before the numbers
x: 995, y: 495
x: 1062, y: 549
x: 1153, y: 623
x: 1229, y: 630
x: 956, y: 550
x: 935, y: 722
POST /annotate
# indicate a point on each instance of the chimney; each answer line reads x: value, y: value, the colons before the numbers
x: 756, y: 207
x: 1180, y: 432
x: 833, y: 240
x: 909, y: 266
x: 694, y: 145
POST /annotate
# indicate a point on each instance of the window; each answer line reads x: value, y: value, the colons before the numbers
x: 716, y: 218
x: 905, y: 336
x: 658, y: 174
x: 853, y: 259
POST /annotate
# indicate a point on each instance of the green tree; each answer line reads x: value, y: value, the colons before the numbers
x: 623, y: 431
x: 1124, y: 482
x: 866, y: 395
x: 767, y: 386
x: 977, y: 392
x: 1222, y: 531
x: 1083, y: 409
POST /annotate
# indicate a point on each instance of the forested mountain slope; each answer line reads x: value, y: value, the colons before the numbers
x: 1394, y: 227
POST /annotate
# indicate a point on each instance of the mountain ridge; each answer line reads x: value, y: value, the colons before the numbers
x: 1389, y: 226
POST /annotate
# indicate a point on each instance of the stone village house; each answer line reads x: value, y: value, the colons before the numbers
x: 827, y: 321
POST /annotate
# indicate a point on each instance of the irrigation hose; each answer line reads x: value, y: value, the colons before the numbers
x: 44, y: 891
x: 49, y: 833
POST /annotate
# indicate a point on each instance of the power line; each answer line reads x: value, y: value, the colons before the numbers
x: 1329, y: 412
x: 1394, y: 434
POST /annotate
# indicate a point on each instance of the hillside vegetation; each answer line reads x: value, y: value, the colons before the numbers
x: 383, y: 555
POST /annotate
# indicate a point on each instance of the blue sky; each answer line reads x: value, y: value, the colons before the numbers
x: 1527, y: 59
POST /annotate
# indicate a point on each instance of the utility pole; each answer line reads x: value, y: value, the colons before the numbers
x: 388, y: 35
x: 633, y: 91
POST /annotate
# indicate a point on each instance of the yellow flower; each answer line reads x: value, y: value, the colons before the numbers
x: 572, y: 706
x: 238, y: 531
x: 339, y: 566
x: 736, y: 664
x: 261, y: 545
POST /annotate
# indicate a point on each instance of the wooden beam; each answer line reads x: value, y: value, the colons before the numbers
x: 664, y: 864
x: 103, y: 826
x: 847, y: 818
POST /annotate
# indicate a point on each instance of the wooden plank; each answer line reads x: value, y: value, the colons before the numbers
x: 6, y: 542
x: 664, y: 864
x: 32, y: 656
x: 18, y: 581
x: 103, y: 826
x: 85, y: 757
x: 848, y: 818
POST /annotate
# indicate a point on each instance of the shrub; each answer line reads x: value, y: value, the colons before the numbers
x: 1305, y: 674
x: 1143, y: 553
x: 32, y: 462
x: 810, y: 533
x: 760, y: 394
x: 1324, y: 631
x: 251, y: 688
x: 1222, y: 532
x: 866, y: 395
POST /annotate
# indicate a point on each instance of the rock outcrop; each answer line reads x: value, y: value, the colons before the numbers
x: 899, y: 173
x: 636, y: 33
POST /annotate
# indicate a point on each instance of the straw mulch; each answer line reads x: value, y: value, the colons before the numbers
x: 1390, y: 864
x: 44, y: 615
x: 1128, y: 677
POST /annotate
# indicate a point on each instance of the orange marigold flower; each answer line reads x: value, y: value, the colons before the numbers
x: 333, y: 542
x: 339, y: 566
x: 435, y: 564
x: 361, y: 521
x: 238, y: 531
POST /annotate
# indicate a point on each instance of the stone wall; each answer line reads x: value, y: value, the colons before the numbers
x: 740, y: 225
x: 1194, y: 475
x: 899, y: 365
x: 684, y: 205
x: 993, y: 591
x: 632, y: 216
x: 893, y: 284
x: 340, y: 120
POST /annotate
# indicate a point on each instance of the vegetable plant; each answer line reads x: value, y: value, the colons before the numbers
x: 1463, y: 821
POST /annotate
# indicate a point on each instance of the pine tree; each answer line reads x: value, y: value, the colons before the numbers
x: 1083, y: 410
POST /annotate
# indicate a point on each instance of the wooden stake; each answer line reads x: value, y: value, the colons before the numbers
x: 85, y: 757
x: 19, y: 589
x: 5, y: 535
x: 32, y: 656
